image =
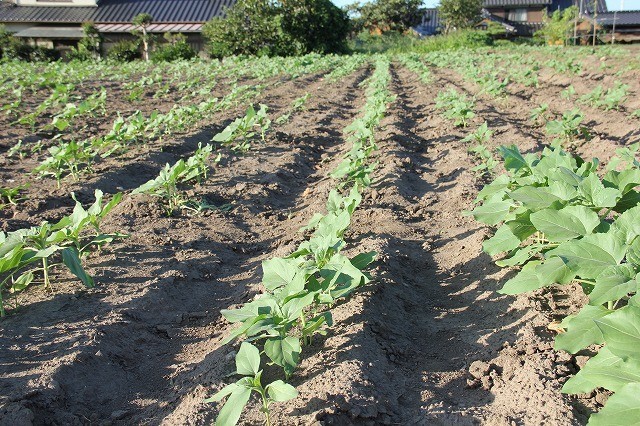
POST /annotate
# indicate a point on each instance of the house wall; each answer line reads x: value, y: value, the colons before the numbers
x: 534, y: 14
x: 14, y: 28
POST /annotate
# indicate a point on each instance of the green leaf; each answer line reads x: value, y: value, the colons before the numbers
x: 502, y: 241
x: 565, y: 224
x: 362, y: 260
x: 230, y: 413
x: 621, y: 331
x: 628, y: 223
x: 554, y: 271
x: 280, y: 272
x: 493, y: 211
x: 595, y: 192
x: 22, y: 282
x: 534, y: 198
x: 526, y: 280
x: 581, y: 329
x: 248, y: 360
x: 284, y: 352
x: 622, y: 408
x: 295, y: 305
x: 222, y: 393
x: 280, y: 391
x: 520, y: 255
x: 605, y: 370
x: 513, y: 160
x: 614, y: 283
x: 72, y: 260
x: 592, y: 254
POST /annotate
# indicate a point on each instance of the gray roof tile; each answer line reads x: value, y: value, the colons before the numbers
x: 118, y: 11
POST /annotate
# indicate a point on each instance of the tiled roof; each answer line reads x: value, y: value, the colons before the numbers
x: 519, y: 3
x: 118, y: 11
x: 622, y: 18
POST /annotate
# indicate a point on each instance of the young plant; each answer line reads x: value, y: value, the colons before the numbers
x: 480, y: 136
x: 569, y: 128
x: 455, y: 107
x: 561, y: 223
x: 67, y: 158
x: 487, y: 163
x: 68, y: 240
x: 568, y: 93
x: 240, y: 131
x: 165, y: 186
x: 298, y: 105
x: 540, y: 115
x: 248, y: 365
x: 11, y: 195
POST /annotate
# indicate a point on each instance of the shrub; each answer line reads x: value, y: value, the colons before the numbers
x: 315, y: 26
x: 387, y: 15
x: 264, y: 27
x: 558, y: 28
x: 459, y: 14
x: 125, y: 50
x: 175, y: 50
x: 88, y: 46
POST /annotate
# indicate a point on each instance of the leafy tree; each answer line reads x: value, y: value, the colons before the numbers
x: 88, y: 46
x: 315, y: 25
x: 272, y: 27
x: 249, y: 27
x: 459, y: 14
x: 176, y: 48
x: 559, y: 27
x: 387, y: 15
x: 141, y: 23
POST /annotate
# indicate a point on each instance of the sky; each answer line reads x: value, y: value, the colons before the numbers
x: 611, y: 4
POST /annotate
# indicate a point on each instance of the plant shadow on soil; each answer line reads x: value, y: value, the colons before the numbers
x: 429, y: 322
x: 120, y: 355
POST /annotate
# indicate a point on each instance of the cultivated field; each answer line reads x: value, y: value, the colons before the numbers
x: 393, y: 151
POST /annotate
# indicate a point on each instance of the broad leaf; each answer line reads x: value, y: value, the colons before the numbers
x: 621, y: 331
x: 280, y: 391
x: 622, y: 408
x: 248, y: 360
x: 581, y: 329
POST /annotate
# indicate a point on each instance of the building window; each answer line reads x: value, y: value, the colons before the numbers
x: 518, y: 15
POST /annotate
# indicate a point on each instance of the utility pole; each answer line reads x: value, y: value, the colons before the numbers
x: 595, y: 15
x: 575, y: 28
x: 613, y: 30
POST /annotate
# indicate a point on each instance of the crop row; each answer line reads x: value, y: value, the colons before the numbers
x: 560, y: 223
x: 302, y: 288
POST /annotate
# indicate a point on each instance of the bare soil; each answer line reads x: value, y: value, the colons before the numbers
x: 427, y: 342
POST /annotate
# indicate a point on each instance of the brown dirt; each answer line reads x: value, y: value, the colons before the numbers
x: 428, y: 342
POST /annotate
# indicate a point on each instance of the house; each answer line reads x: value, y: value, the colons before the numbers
x: 430, y: 23
x: 525, y: 17
x: 622, y: 26
x: 58, y: 23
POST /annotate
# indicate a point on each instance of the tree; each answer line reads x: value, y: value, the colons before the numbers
x: 388, y: 15
x: 271, y: 27
x: 315, y: 25
x: 459, y: 14
x: 141, y: 22
x: 250, y: 27
x: 558, y: 28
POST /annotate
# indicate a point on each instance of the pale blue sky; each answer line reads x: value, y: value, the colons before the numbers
x: 612, y: 4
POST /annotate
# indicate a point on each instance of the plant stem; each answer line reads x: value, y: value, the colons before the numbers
x: 265, y: 409
x: 45, y: 271
x: 585, y: 281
